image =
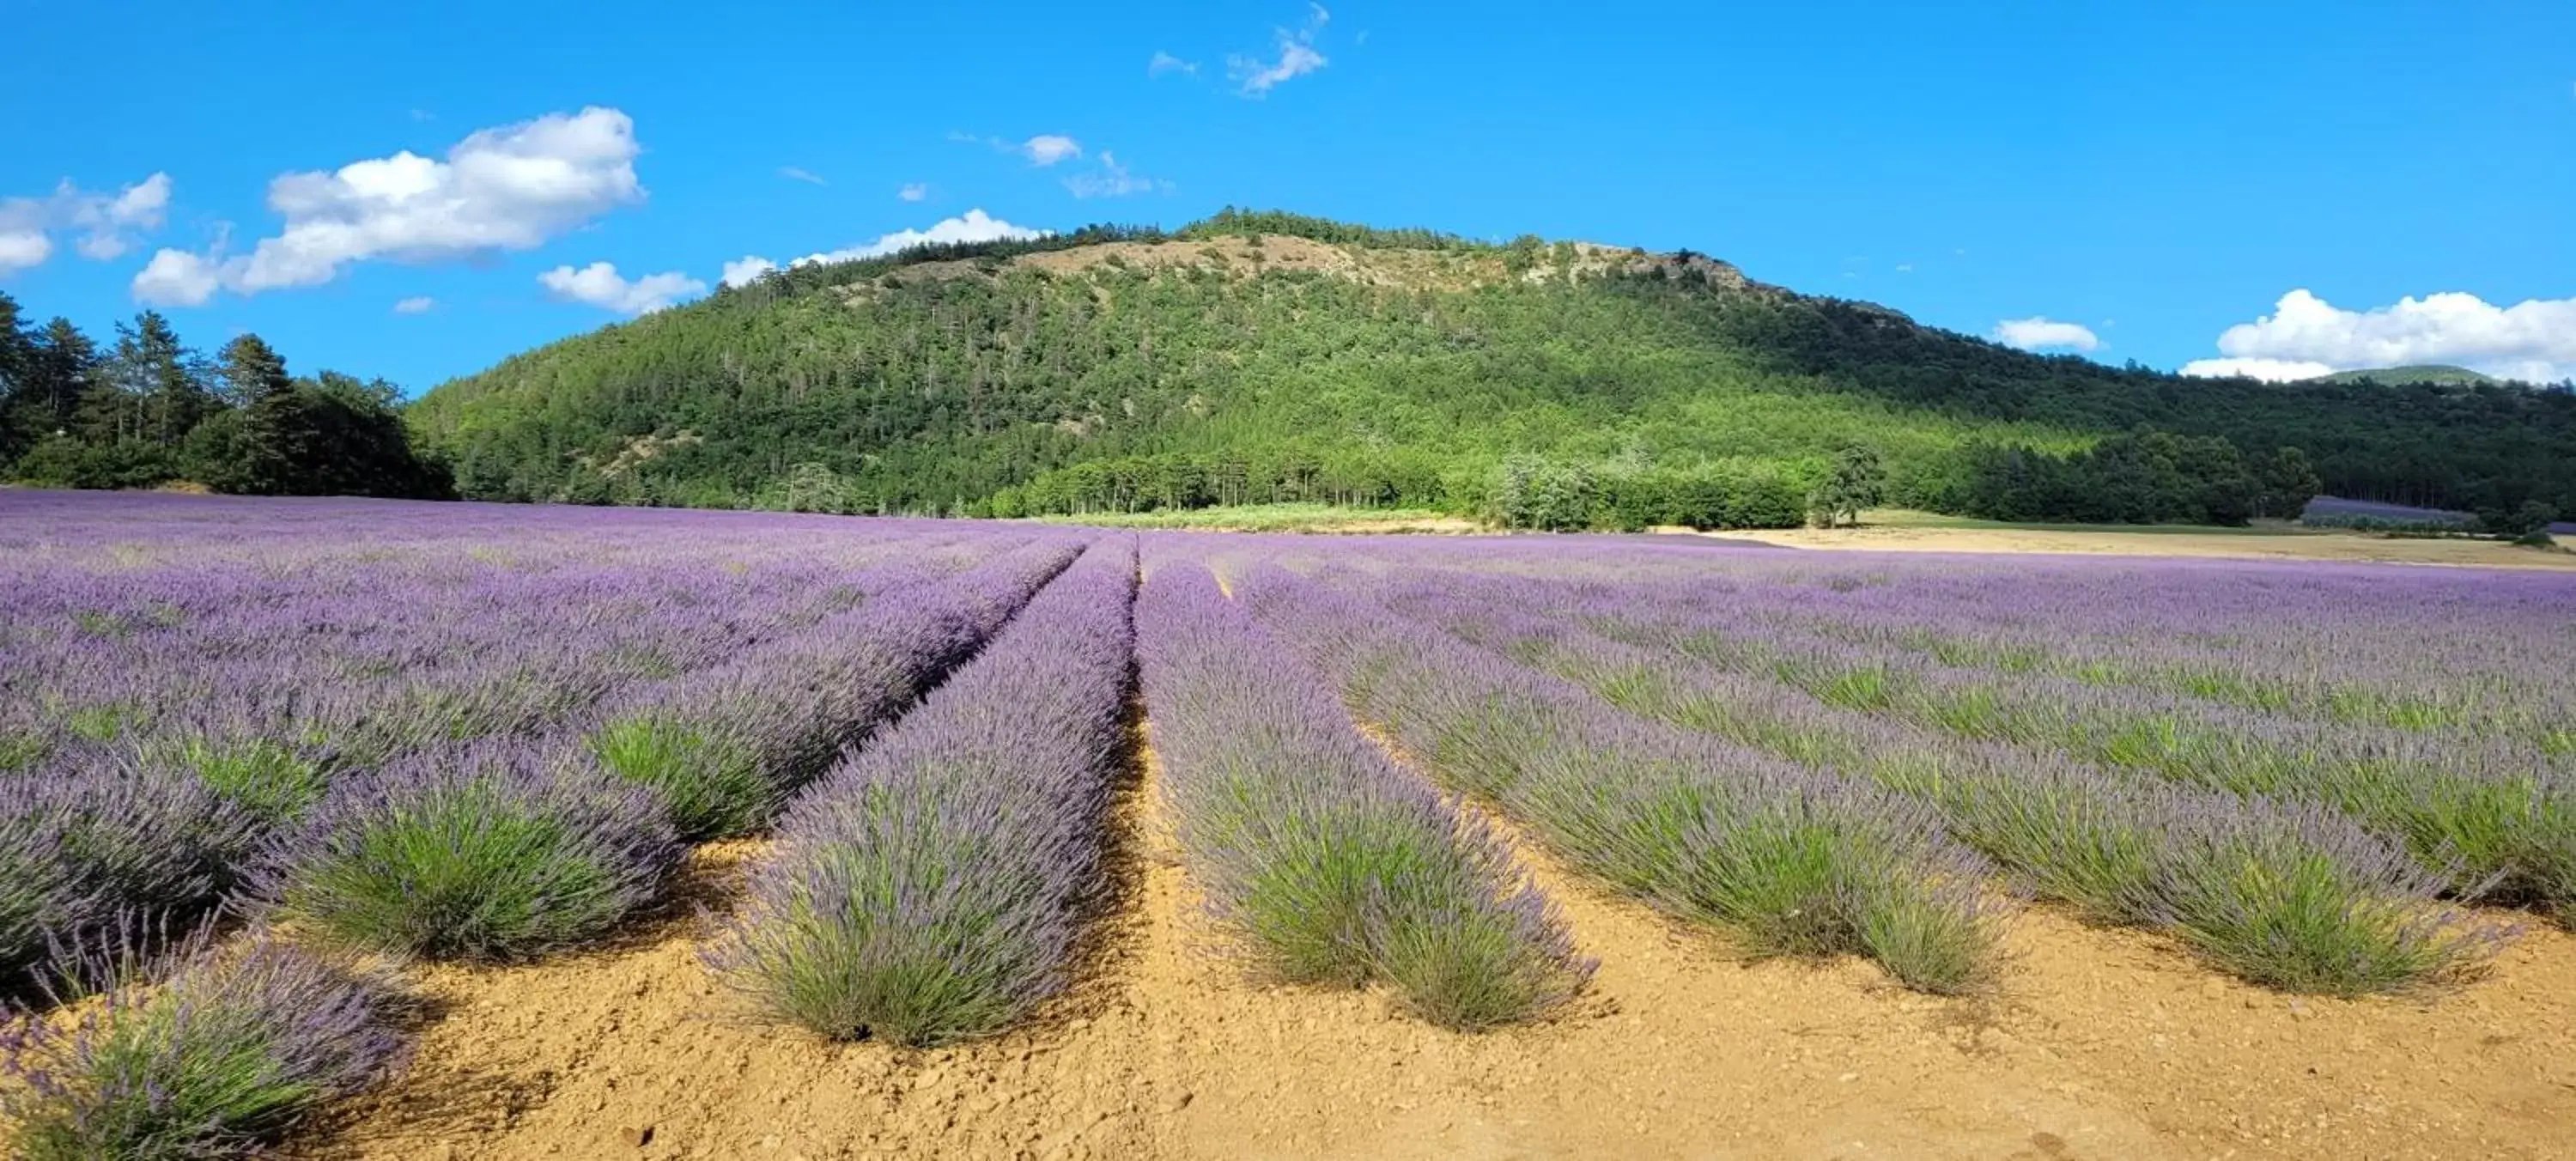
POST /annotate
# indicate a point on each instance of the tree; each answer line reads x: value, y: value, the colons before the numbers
x: 2528, y: 524
x: 17, y: 349
x: 277, y: 437
x: 166, y: 376
x: 61, y: 367
x: 1857, y: 480
x: 2288, y: 482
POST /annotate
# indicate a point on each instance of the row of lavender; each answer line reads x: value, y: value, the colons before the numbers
x: 930, y: 887
x: 2459, y: 653
x: 1784, y: 859
x: 1327, y: 862
x: 2279, y: 892
x: 2494, y: 818
x: 506, y: 840
x: 769, y: 689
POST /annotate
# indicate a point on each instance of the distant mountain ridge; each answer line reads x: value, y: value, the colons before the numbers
x: 1271, y: 356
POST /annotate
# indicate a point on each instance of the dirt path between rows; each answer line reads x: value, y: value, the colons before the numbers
x: 2106, y: 1045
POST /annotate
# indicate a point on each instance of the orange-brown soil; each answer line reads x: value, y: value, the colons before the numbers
x: 2104, y: 1044
x: 2284, y: 545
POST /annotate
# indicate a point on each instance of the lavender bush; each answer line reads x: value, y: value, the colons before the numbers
x: 482, y: 851
x: 86, y: 848
x: 927, y: 889
x: 216, y: 1056
x: 1330, y: 864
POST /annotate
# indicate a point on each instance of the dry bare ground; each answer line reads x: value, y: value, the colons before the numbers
x: 2107, y: 1044
x: 2314, y: 545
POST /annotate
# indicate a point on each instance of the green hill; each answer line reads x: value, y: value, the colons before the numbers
x: 1270, y: 357
x: 2430, y: 373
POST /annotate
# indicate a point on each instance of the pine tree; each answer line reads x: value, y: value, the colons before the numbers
x: 61, y: 369
x: 17, y: 349
x: 165, y: 379
x: 277, y: 437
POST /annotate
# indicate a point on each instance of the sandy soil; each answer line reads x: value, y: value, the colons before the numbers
x: 2259, y: 546
x: 2105, y: 1045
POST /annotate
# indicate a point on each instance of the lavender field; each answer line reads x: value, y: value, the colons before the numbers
x: 261, y: 761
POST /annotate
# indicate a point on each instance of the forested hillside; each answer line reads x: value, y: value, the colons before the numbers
x: 1256, y: 357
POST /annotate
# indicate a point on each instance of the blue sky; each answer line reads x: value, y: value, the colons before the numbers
x: 2343, y: 182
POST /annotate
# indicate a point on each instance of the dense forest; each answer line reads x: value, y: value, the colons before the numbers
x: 148, y: 411
x: 1272, y: 357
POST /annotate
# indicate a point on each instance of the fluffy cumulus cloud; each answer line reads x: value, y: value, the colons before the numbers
x: 417, y: 304
x: 2046, y: 334
x: 1112, y: 181
x: 2306, y: 336
x: 107, y: 225
x: 913, y: 191
x: 1255, y: 76
x: 1050, y: 148
x: 21, y: 249
x: 600, y: 285
x: 507, y: 188
x: 974, y: 226
x: 177, y: 278
x: 1165, y: 64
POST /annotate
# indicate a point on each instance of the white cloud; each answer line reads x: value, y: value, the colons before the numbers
x: 746, y: 270
x: 109, y: 224
x: 1905, y: 268
x: 2273, y: 370
x: 177, y: 278
x: 1112, y: 181
x: 793, y: 173
x: 1050, y: 148
x: 22, y: 249
x: 1254, y: 77
x: 600, y: 285
x: 913, y: 191
x: 417, y: 304
x: 2038, y: 333
x: 2533, y: 340
x: 1165, y: 62
x: 974, y: 226
x: 507, y: 188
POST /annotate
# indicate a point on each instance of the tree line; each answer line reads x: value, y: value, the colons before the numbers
x: 148, y: 410
x: 2142, y: 477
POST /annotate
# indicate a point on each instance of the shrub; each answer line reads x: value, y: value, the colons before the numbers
x: 84, y: 848
x: 482, y: 851
x: 2327, y: 908
x: 708, y: 777
x: 217, y: 1059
